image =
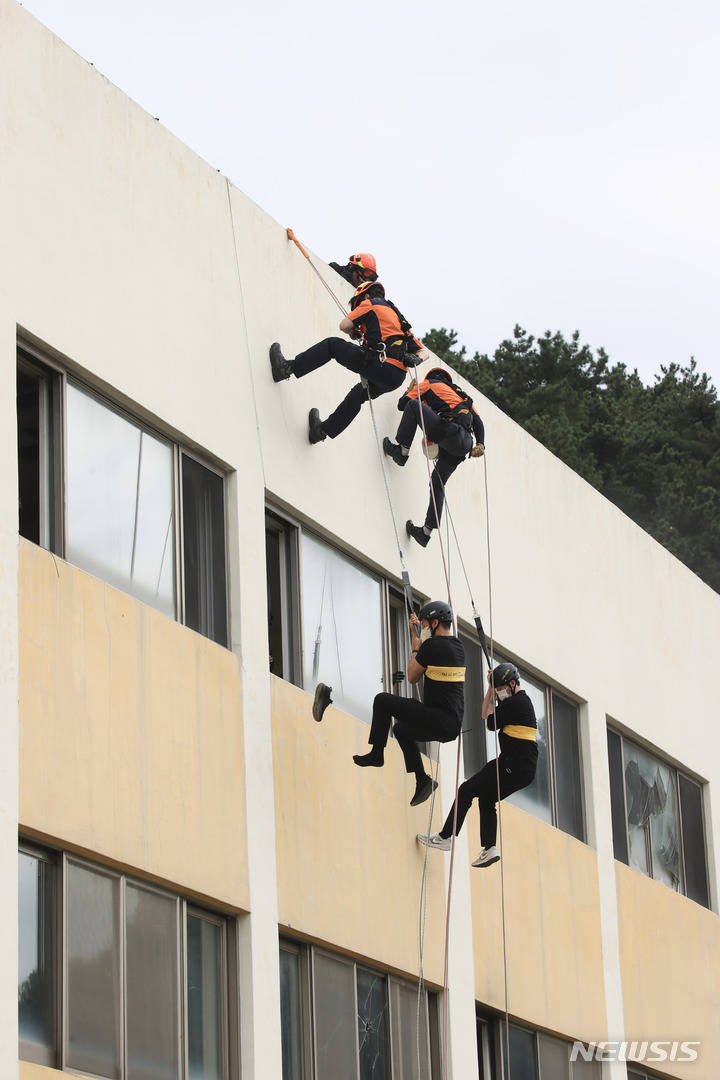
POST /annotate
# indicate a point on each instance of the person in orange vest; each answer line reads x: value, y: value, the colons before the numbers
x: 450, y: 420
x: 387, y: 350
x: 359, y: 268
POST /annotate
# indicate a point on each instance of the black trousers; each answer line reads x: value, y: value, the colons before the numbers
x: 454, y: 444
x: 414, y: 722
x: 515, y: 773
x: 381, y: 376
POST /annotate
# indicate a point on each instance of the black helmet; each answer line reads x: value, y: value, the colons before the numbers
x: 503, y: 673
x: 436, y: 609
x: 439, y: 374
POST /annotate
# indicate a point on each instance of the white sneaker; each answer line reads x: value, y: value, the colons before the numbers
x: 487, y: 857
x: 435, y: 840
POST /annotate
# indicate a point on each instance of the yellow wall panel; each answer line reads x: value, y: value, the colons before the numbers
x: 669, y: 947
x: 349, y: 868
x: 552, y: 906
x: 131, y: 733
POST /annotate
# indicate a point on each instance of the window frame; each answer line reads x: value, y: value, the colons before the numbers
x: 57, y: 1056
x: 679, y: 773
x: 36, y: 363
x: 307, y: 953
x: 28, y: 1051
x: 392, y: 600
x: 491, y: 1040
x: 549, y: 690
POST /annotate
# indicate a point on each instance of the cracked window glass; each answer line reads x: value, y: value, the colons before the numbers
x: 651, y: 797
x: 373, y: 1026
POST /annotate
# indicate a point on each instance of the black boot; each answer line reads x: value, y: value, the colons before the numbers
x: 424, y: 787
x: 316, y: 433
x: 321, y: 701
x: 417, y: 533
x: 394, y: 451
x: 281, y: 368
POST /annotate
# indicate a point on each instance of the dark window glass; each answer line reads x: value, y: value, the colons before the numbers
x: 693, y: 841
x: 566, y: 747
x: 474, y: 747
x: 282, y: 599
x: 290, y: 1015
x: 38, y: 472
x: 523, y: 1061
x: 37, y: 975
x: 373, y: 1027
x: 204, y: 550
x: 617, y: 797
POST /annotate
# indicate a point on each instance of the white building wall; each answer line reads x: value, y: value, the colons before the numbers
x: 147, y: 272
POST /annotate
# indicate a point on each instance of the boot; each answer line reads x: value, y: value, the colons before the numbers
x: 316, y: 433
x: 281, y: 368
x: 394, y: 451
x: 417, y: 533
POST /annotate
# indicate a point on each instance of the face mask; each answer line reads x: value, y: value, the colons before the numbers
x: 425, y: 633
x: 502, y: 694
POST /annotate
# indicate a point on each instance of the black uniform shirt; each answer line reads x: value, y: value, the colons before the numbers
x: 516, y: 723
x: 444, y: 682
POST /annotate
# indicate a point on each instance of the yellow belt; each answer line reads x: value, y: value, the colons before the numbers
x: 520, y: 731
x: 445, y: 674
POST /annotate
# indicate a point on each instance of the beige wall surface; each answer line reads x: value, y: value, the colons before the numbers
x: 669, y: 949
x: 130, y: 733
x: 554, y: 946
x: 157, y: 281
x: 349, y: 868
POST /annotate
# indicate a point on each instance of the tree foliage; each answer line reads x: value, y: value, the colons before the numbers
x: 653, y: 450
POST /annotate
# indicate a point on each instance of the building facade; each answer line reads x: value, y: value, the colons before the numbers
x: 196, y: 879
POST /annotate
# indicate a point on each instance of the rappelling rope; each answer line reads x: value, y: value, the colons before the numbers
x: 497, y: 777
x: 446, y: 988
x: 293, y: 237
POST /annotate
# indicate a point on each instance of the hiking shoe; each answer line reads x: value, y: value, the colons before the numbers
x: 321, y: 700
x: 487, y: 857
x: 281, y: 368
x: 435, y: 840
x: 315, y: 433
x: 416, y: 532
x: 394, y: 451
x: 423, y: 791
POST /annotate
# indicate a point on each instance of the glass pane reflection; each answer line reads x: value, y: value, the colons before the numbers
x: 120, y: 502
x: 342, y: 628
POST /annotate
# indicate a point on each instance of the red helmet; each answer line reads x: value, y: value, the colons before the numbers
x: 362, y: 291
x: 365, y: 266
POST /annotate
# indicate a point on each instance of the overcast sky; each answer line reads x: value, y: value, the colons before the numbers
x: 552, y: 164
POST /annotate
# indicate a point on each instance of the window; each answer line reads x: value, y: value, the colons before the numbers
x: 365, y: 1023
x: 342, y: 627
x: 141, y: 974
x: 326, y: 614
x: 657, y: 818
x: 555, y: 794
x: 474, y: 752
x: 534, y: 1055
x: 120, y: 501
